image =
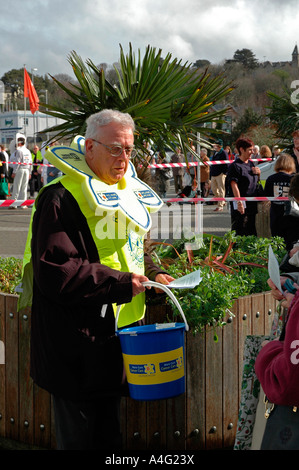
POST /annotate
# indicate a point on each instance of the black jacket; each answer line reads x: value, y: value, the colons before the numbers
x: 3, y: 170
x: 219, y: 168
x: 74, y: 351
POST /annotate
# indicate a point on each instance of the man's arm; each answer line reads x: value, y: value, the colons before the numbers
x: 65, y: 261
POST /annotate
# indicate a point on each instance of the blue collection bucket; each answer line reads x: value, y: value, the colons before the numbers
x: 154, y: 356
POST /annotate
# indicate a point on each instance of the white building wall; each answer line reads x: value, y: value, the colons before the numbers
x: 24, y: 122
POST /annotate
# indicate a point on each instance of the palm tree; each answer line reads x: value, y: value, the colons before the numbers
x: 170, y: 102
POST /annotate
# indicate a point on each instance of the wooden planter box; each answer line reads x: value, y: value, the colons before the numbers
x: 205, y: 417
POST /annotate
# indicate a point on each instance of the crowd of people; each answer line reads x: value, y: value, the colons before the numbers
x: 24, y: 170
x: 29, y: 171
x: 239, y: 177
x: 73, y: 279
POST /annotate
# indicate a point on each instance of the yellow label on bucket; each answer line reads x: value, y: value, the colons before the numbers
x: 153, y: 369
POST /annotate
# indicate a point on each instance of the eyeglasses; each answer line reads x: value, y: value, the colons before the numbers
x: 117, y: 150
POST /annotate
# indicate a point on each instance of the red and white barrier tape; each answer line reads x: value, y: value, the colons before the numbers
x: 30, y: 202
x: 214, y: 162
x: 226, y: 199
x: 27, y: 164
x: 164, y: 165
x: 16, y: 202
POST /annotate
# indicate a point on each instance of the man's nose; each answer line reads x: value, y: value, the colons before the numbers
x: 125, y: 153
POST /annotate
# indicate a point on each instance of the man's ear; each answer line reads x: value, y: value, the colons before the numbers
x: 89, y: 144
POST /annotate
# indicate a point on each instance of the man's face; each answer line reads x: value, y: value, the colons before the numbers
x: 35, y: 149
x: 109, y: 169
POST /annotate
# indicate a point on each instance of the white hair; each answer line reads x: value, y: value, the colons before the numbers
x: 105, y: 117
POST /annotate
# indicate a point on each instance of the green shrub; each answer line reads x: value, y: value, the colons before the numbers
x: 10, y: 274
x: 231, y: 267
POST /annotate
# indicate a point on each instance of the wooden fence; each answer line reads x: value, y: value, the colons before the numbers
x: 205, y: 417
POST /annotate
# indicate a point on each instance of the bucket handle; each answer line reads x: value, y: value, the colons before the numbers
x: 168, y: 291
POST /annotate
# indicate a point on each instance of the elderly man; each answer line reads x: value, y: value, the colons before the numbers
x: 78, y: 276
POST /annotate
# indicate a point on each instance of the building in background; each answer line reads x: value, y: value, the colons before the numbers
x: 24, y: 122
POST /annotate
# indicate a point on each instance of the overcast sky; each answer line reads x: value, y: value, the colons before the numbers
x: 42, y: 33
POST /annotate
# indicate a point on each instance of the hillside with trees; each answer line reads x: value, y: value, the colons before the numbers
x: 250, y: 98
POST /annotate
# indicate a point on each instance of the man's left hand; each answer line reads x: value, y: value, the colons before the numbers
x: 163, y: 279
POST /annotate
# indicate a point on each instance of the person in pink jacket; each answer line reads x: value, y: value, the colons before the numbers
x: 277, y: 368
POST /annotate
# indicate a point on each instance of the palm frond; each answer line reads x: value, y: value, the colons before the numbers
x: 170, y: 102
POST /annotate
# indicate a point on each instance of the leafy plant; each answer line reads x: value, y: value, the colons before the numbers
x: 231, y: 266
x: 10, y: 274
x: 170, y: 102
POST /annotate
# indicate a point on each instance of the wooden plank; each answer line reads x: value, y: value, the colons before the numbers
x: 42, y: 417
x: 176, y: 418
x: 258, y: 314
x: 270, y: 311
x: 156, y: 425
x: 12, y: 372
x: 53, y: 433
x: 123, y: 421
x: 136, y: 425
x: 195, y: 391
x: 176, y: 422
x: 230, y: 379
x: 25, y: 382
x: 214, y: 378
x: 2, y: 363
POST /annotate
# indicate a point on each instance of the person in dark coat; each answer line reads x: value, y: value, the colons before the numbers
x: 218, y: 173
x: 278, y: 185
x: 75, y: 353
x: 242, y: 179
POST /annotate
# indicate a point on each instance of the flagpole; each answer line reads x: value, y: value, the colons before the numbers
x: 25, y: 131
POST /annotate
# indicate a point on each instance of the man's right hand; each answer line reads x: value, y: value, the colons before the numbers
x: 137, y: 286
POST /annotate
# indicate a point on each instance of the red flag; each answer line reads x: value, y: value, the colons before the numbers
x: 30, y: 92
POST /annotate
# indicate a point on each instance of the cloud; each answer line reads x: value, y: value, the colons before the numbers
x: 42, y: 33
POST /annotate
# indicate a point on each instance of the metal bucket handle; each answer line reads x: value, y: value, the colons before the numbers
x: 171, y: 295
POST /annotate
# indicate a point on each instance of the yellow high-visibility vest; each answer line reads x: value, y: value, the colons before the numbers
x: 117, y: 216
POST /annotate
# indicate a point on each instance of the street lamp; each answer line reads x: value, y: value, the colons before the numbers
x: 46, y: 93
x: 33, y: 70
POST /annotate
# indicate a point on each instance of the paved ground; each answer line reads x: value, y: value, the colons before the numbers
x: 14, y: 225
x: 173, y: 222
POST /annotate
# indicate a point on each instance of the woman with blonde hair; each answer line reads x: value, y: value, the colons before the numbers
x: 265, y: 152
x: 278, y: 185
